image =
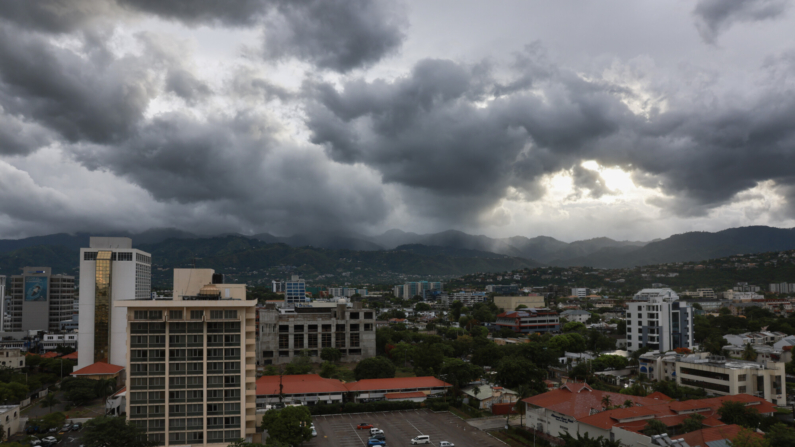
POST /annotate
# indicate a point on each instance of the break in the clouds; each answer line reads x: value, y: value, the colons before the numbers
x: 354, y: 115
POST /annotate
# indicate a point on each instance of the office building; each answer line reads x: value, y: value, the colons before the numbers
x: 295, y: 291
x: 277, y: 286
x: 719, y: 376
x: 503, y: 289
x: 339, y: 292
x: 4, y: 303
x: 658, y: 320
x: 290, y: 332
x: 420, y: 288
x: 579, y: 292
x: 50, y: 342
x: 110, y: 271
x: 512, y: 302
x: 39, y: 301
x: 782, y: 288
x: 189, y: 282
x: 529, y: 321
x: 191, y: 367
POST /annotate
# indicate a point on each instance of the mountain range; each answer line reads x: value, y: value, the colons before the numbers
x: 446, y: 253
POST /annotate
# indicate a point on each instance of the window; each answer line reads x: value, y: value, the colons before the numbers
x: 195, y: 394
x: 139, y: 369
x: 213, y: 408
x: 230, y: 314
x: 176, y: 368
x: 312, y: 328
x: 157, y: 368
x: 157, y: 382
x: 175, y: 315
x: 232, y: 352
x: 742, y: 378
x: 312, y: 341
x: 354, y: 328
x: 284, y: 341
x: 741, y: 389
x: 138, y: 355
x: 354, y: 315
x: 140, y: 315
x: 298, y: 341
x: 124, y: 256
x: 176, y: 381
x: 340, y: 328
x: 215, y: 368
x: 195, y: 368
x: 231, y: 380
x: 157, y: 355
x: 326, y: 340
x: 195, y: 408
x: 196, y: 314
x: 231, y: 339
x: 194, y: 422
x: 215, y: 381
x: 232, y: 408
x: 354, y: 340
x: 217, y: 314
x: 368, y: 315
x: 232, y: 421
x: 176, y: 339
x: 326, y: 328
x: 155, y: 314
x: 339, y: 340
x: 90, y: 256
x: 176, y: 395
x: 298, y: 328
x: 194, y: 381
x: 231, y: 394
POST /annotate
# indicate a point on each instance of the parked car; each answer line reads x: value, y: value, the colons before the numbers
x: 421, y: 439
x: 446, y: 444
x: 53, y: 430
x: 67, y: 427
x: 364, y: 426
x: 32, y: 429
x: 380, y: 436
x: 49, y: 440
x: 34, y: 441
x: 375, y: 442
x: 77, y: 426
x: 314, y: 432
x: 374, y: 431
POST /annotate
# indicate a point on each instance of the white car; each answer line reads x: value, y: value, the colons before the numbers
x: 446, y: 444
x: 314, y: 432
x: 375, y: 431
x: 49, y: 440
x: 421, y: 439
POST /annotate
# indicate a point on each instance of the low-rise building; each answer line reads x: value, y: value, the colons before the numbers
x: 377, y: 389
x: 9, y: 420
x: 12, y: 358
x: 512, y: 302
x: 578, y: 408
x: 576, y: 315
x: 529, y: 321
x: 50, y: 341
x: 287, y: 333
x: 719, y: 376
x: 488, y: 395
x: 468, y: 299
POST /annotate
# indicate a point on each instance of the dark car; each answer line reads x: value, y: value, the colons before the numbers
x: 77, y: 426
x: 379, y: 436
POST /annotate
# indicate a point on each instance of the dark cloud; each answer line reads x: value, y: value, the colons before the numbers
x: 247, y: 84
x: 202, y: 12
x: 184, y: 84
x: 715, y: 16
x: 334, y: 34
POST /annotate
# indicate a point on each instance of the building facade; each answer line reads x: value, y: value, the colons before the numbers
x: 722, y: 377
x: 39, y: 300
x: 287, y: 333
x: 581, y: 316
x: 12, y: 358
x: 503, y: 289
x: 295, y: 291
x: 658, y: 320
x: 512, y: 302
x: 110, y: 271
x: 191, y: 367
x: 49, y: 342
x: 529, y: 321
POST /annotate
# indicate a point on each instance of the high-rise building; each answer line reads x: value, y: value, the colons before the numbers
x: 192, y: 367
x: 278, y: 286
x: 412, y: 289
x: 39, y: 301
x: 658, y: 320
x: 110, y: 271
x: 295, y: 291
x: 3, y: 303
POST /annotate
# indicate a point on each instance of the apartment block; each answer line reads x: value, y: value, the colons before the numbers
x: 658, y: 320
x: 512, y: 302
x: 286, y: 333
x: 40, y: 301
x: 49, y: 342
x: 192, y: 368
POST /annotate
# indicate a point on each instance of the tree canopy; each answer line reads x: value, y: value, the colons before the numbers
x: 290, y: 425
x: 106, y: 431
x: 374, y: 368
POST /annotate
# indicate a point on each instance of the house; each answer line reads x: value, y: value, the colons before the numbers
x: 488, y: 395
x: 576, y: 315
x: 99, y: 371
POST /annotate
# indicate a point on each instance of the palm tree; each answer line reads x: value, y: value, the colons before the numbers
x: 749, y: 353
x: 49, y: 400
x: 606, y: 401
x: 628, y: 403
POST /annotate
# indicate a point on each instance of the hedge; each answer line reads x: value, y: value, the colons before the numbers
x: 353, y: 407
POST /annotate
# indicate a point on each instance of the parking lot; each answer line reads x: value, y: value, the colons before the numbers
x: 399, y: 428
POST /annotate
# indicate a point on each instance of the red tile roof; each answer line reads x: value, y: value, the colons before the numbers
x: 298, y: 384
x: 659, y: 396
x: 50, y: 355
x: 72, y: 356
x: 578, y: 399
x: 99, y: 368
x: 410, y: 395
x: 122, y: 390
x: 703, y: 436
x: 402, y: 383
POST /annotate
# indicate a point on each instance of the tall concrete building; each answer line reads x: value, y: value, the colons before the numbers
x: 110, y: 271
x: 287, y: 333
x: 658, y: 320
x: 192, y: 366
x: 3, y: 303
x: 39, y: 300
x: 295, y: 291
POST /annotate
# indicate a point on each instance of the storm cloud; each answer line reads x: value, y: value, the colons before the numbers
x: 344, y: 115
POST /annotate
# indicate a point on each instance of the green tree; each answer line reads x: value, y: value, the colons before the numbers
x: 606, y: 401
x: 374, y: 368
x: 49, y: 401
x: 692, y: 423
x: 749, y: 438
x: 106, y: 431
x: 586, y: 441
x: 422, y: 307
x: 749, y: 353
x: 455, y: 309
x: 458, y: 372
x: 401, y: 353
x: 290, y: 425
x: 628, y: 404
x: 573, y: 326
x: 332, y: 355
x: 732, y: 412
x: 52, y: 420
x: 80, y: 396
x: 513, y: 372
x: 327, y: 370
x: 780, y: 435
x: 655, y: 427
x: 104, y: 387
x: 13, y: 391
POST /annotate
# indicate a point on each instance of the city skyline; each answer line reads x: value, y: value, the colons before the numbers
x: 570, y: 120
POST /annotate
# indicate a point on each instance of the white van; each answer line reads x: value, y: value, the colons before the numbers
x: 421, y: 439
x: 374, y: 431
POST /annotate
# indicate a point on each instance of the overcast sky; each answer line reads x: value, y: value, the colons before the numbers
x: 573, y: 119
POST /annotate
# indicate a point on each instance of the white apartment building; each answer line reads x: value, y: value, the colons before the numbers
x: 722, y: 377
x: 741, y: 297
x: 576, y: 315
x: 192, y: 368
x: 656, y: 318
x: 468, y: 299
x: 51, y: 341
x: 579, y: 292
x: 110, y: 271
x: 9, y: 419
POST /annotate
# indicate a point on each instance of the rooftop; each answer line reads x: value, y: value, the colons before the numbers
x: 298, y: 384
x: 98, y: 369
